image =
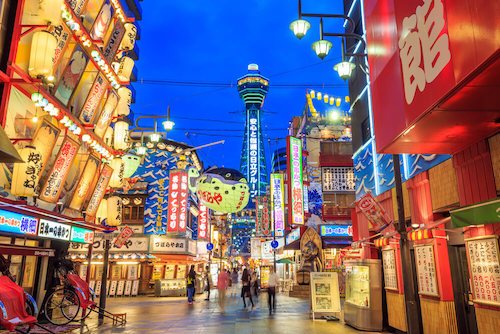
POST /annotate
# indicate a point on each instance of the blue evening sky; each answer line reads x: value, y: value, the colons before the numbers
x: 214, y: 41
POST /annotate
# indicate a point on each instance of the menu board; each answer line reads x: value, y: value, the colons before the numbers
x: 169, y: 271
x: 484, y: 266
x: 325, y: 294
x: 390, y: 272
x: 426, y: 270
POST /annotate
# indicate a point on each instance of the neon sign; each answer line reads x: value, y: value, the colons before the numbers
x: 17, y: 223
x: 277, y: 203
x: 253, y: 152
x: 295, y: 190
x: 203, y: 222
x: 336, y: 230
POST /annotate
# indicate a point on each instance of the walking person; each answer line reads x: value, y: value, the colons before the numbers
x: 222, y: 283
x: 208, y: 284
x: 272, y: 284
x: 234, y: 282
x: 255, y: 284
x: 245, y: 290
x: 190, y: 284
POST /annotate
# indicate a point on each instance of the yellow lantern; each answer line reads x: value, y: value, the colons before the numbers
x: 114, y: 211
x: 325, y: 98
x: 319, y: 96
x: 125, y: 69
x: 120, y: 141
x: 102, y: 210
x: 313, y: 93
x: 347, y: 99
x: 108, y: 136
x: 128, y: 40
x: 332, y: 101
x: 25, y: 175
x: 123, y: 107
x: 118, y: 166
x: 43, y: 47
x: 338, y: 101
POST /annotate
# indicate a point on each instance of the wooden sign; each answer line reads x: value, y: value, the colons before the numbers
x: 128, y: 288
x: 135, y: 288
x: 84, y: 184
x: 390, y: 269
x: 426, y: 270
x: 484, y: 269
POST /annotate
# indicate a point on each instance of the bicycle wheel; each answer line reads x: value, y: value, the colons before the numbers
x: 62, y: 307
x: 87, y: 311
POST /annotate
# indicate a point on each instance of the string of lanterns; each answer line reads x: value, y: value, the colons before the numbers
x: 331, y: 100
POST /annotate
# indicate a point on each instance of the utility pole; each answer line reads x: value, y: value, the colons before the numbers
x: 413, y: 314
x: 102, y: 297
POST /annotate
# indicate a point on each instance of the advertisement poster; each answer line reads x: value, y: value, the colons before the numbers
x: 263, y: 219
x: 277, y: 203
x: 484, y: 266
x: 264, y: 276
x: 157, y: 271
x: 100, y: 188
x: 71, y: 75
x: 83, y: 188
x: 325, y: 294
x: 102, y: 22
x: 132, y: 272
x: 169, y: 271
x: 45, y: 139
x: 181, y: 271
x: 426, y: 270
x: 93, y: 99
x: 390, y: 270
x: 295, y: 190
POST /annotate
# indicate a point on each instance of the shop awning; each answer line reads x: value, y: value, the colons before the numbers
x: 487, y: 212
x: 175, y: 257
x: 285, y: 261
x: 8, y: 152
x: 295, y: 245
x: 336, y: 242
x: 26, y: 251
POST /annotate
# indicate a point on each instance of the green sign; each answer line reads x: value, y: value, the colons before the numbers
x: 81, y: 235
x: 477, y: 214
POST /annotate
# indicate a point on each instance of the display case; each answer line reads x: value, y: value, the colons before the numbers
x: 363, y: 301
x: 170, y: 287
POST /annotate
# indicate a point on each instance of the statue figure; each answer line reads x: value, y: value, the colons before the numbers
x: 310, y: 247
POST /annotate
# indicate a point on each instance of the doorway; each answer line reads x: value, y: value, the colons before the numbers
x: 464, y: 307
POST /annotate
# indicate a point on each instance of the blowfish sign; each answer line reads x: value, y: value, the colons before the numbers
x: 277, y: 204
x: 203, y: 220
x: 177, y: 201
x: 295, y: 190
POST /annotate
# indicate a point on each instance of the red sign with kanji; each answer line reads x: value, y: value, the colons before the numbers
x: 122, y: 238
x: 203, y: 219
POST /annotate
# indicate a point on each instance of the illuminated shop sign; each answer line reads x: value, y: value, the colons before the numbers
x: 253, y: 155
x: 203, y: 220
x: 253, y: 80
x: 262, y: 222
x: 53, y: 230
x: 292, y: 236
x: 278, y: 204
x: 336, y: 230
x: 17, y: 223
x: 100, y: 188
x: 177, y: 201
x: 296, y: 191
x: 183, y: 202
x: 93, y: 99
x: 81, y: 235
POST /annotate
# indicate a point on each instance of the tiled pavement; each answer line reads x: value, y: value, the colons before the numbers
x: 174, y: 315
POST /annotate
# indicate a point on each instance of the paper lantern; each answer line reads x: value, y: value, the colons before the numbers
x: 118, y: 166
x: 123, y: 107
x: 132, y: 162
x: 43, y: 47
x: 114, y: 211
x: 125, y: 69
x: 25, y: 175
x: 102, y: 210
x: 338, y: 101
x: 108, y: 136
x: 223, y: 190
x: 120, y: 141
x: 128, y: 40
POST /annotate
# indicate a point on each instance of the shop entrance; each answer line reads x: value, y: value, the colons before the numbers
x: 464, y: 307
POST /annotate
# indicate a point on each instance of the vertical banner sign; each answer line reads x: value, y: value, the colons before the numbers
x: 173, y: 201
x: 102, y: 22
x: 262, y: 223
x: 62, y: 34
x: 253, y: 155
x: 77, y: 5
x: 57, y: 175
x: 183, y: 201
x: 203, y: 222
x: 295, y: 188
x: 106, y: 114
x: 83, y: 188
x: 258, y: 216
x: 100, y: 188
x: 114, y: 41
x: 373, y: 211
x: 93, y: 99
x: 71, y: 75
x: 277, y: 202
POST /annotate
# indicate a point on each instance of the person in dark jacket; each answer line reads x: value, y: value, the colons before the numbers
x: 190, y: 282
x: 245, y: 290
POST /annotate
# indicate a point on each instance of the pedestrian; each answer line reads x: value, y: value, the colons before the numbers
x: 208, y: 284
x: 245, y: 290
x: 272, y: 283
x: 234, y: 282
x: 255, y: 284
x: 222, y: 283
x: 190, y: 282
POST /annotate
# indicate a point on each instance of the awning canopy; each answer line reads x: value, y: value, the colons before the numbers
x: 26, y: 250
x: 8, y: 152
x: 284, y: 261
x: 175, y: 258
x: 487, y: 212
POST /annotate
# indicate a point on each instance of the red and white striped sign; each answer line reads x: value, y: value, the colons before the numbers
x: 203, y: 219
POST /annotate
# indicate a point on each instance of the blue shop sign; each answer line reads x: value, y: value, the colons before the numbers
x: 13, y: 222
x: 336, y: 230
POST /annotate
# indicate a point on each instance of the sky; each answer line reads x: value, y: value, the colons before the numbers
x: 213, y: 42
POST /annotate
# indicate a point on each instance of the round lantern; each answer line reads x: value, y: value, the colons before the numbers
x: 43, y: 47
x: 102, y: 210
x: 120, y: 141
x: 223, y: 190
x: 114, y: 211
x: 123, y: 107
x: 132, y: 162
x: 108, y: 136
x: 118, y: 166
x: 25, y: 175
x: 128, y: 40
x: 125, y: 69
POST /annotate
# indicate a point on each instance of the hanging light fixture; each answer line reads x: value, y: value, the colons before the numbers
x: 141, y: 150
x: 168, y: 124
x: 42, y: 52
x: 155, y: 137
x: 300, y: 28
x: 322, y: 47
x: 344, y: 69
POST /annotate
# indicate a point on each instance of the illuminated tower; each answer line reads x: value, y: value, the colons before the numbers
x: 253, y: 88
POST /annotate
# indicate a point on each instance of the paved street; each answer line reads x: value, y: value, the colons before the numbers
x: 173, y: 315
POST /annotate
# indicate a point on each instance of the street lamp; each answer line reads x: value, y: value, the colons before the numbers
x: 155, y: 137
x: 344, y: 69
x: 322, y: 47
x: 300, y: 28
x: 168, y: 125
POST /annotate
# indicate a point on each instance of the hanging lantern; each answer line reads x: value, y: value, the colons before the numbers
x: 332, y: 101
x: 102, y: 210
x: 25, y: 175
x: 125, y: 69
x: 313, y: 93
x: 318, y: 95
x: 132, y: 162
x: 347, y: 99
x: 128, y: 40
x: 108, y: 136
x: 43, y: 46
x: 120, y: 141
x: 118, y: 166
x: 123, y: 107
x: 338, y: 101
x: 325, y: 98
x: 114, y: 206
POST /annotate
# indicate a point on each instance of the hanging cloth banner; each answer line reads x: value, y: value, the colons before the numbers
x: 84, y: 184
x: 99, y: 190
x: 487, y: 212
x: 373, y: 212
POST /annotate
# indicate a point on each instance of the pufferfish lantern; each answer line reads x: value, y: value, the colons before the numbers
x: 220, y: 189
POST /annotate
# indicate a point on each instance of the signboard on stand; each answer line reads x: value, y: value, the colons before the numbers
x: 390, y: 270
x: 325, y: 296
x: 484, y: 267
x: 426, y: 270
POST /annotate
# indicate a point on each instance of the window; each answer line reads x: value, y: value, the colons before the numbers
x: 338, y: 179
x: 133, y: 212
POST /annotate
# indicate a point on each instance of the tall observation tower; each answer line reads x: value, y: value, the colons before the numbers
x: 253, y: 88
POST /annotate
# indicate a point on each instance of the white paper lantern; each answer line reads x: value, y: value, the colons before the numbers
x: 102, y: 210
x: 118, y: 166
x: 125, y: 69
x: 120, y: 141
x: 43, y: 47
x: 25, y: 175
x: 108, y: 136
x: 128, y: 40
x: 123, y: 107
x: 114, y: 211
